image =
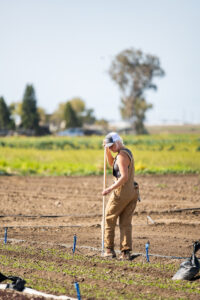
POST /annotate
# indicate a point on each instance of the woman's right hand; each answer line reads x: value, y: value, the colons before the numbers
x: 104, y: 142
x: 107, y: 191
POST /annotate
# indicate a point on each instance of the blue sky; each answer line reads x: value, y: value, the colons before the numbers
x: 64, y: 48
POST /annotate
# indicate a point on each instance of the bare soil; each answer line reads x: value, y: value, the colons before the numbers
x: 46, y: 212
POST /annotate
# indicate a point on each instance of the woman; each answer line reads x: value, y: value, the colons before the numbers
x: 123, y: 198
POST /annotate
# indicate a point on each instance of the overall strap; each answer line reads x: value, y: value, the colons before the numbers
x: 131, y: 165
x: 128, y: 152
x: 116, y: 172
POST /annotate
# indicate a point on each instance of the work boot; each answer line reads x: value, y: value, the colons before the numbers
x: 110, y: 253
x: 125, y: 255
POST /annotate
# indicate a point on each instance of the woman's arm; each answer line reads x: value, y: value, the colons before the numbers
x: 110, y: 158
x: 123, y: 162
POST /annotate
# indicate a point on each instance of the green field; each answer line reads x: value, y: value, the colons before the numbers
x: 159, y: 154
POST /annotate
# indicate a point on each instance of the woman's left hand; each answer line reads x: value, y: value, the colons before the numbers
x: 107, y: 191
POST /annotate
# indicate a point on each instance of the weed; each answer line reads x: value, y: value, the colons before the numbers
x: 162, y: 185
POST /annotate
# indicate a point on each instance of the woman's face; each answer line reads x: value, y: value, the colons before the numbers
x: 114, y: 148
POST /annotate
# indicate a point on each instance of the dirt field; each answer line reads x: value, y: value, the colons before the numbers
x: 45, y: 212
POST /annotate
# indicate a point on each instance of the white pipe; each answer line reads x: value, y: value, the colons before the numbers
x: 34, y: 292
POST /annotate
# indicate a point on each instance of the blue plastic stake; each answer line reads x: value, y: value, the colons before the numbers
x: 74, y: 246
x: 5, y: 235
x: 147, y: 251
x: 77, y: 290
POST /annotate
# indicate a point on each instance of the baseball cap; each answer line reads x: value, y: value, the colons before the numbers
x: 111, y: 138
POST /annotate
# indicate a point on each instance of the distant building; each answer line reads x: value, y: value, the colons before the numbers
x: 123, y: 127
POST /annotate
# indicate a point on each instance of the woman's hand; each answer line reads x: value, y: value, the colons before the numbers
x: 104, y: 142
x: 109, y: 156
x: 107, y: 191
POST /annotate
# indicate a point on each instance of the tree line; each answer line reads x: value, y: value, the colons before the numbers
x: 132, y: 70
x: 28, y: 116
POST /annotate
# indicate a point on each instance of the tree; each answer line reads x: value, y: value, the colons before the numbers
x: 58, y: 116
x: 70, y: 117
x: 85, y: 115
x: 43, y: 116
x: 5, y: 116
x: 78, y: 105
x: 30, y: 116
x: 77, y: 109
x: 134, y: 72
x: 16, y: 111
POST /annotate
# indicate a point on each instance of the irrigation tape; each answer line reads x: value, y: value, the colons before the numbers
x: 96, y: 225
x: 52, y: 216
x: 99, y: 215
x: 47, y: 226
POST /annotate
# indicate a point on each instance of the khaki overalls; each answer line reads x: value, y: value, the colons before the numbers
x: 121, y: 203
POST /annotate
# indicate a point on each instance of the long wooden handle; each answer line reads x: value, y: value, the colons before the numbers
x: 104, y: 170
x: 103, y: 206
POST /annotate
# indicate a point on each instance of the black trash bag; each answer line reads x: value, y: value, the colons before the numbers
x: 17, y: 284
x: 189, y: 268
x: 2, y: 277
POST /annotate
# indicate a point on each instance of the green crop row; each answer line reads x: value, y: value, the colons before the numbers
x: 168, y: 142
x: 90, y: 162
x: 157, y: 154
x: 55, y: 271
